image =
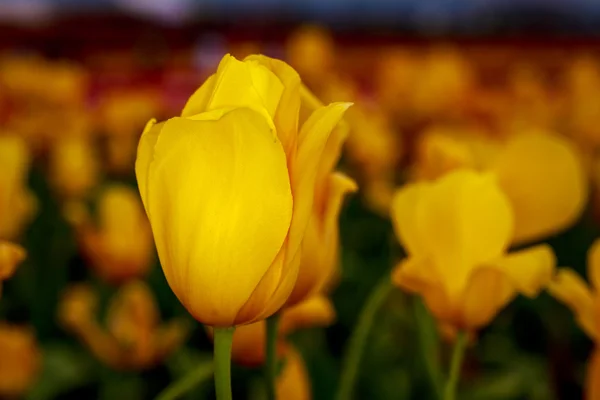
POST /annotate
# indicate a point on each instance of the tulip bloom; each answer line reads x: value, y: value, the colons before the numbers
x: 229, y: 186
x: 573, y: 291
x: 74, y: 168
x: 119, y: 247
x: 542, y: 174
x: 456, y: 232
x: 11, y: 255
x: 17, y: 203
x: 134, y: 337
x: 20, y: 361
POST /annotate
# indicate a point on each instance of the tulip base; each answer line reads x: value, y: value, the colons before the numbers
x: 223, y: 339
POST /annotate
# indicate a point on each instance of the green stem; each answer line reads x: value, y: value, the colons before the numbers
x: 223, y: 338
x: 271, y: 356
x: 358, y: 340
x: 187, y: 382
x: 455, y: 366
x: 429, y: 343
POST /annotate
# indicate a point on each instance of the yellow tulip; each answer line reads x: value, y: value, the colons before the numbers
x: 134, y: 337
x: 17, y: 203
x: 20, y: 361
x: 120, y: 246
x: 293, y: 382
x: 311, y: 51
x: 229, y: 186
x: 456, y: 232
x: 584, y: 301
x: 11, y: 255
x: 542, y: 174
x: 74, y: 168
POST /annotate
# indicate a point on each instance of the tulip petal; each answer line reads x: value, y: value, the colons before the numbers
x: 593, y: 265
x: 466, y: 220
x: 293, y: 383
x: 321, y: 241
x: 530, y: 270
x: 312, y: 140
x: 569, y: 288
x: 145, y: 155
x: 543, y: 177
x: 11, y: 255
x: 415, y: 276
x: 406, y: 210
x: 316, y: 311
x: 220, y: 211
x: 245, y: 84
x: 287, y: 113
x: 486, y: 293
x: 592, y: 379
x: 198, y: 102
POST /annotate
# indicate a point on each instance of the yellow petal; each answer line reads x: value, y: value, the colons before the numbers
x: 315, y: 311
x: 487, y: 292
x: 543, y: 177
x: 312, y: 140
x: 592, y: 379
x: 145, y: 155
x: 593, y: 265
x: 321, y: 241
x: 415, y: 275
x: 530, y: 270
x: 570, y: 289
x: 245, y: 84
x: 220, y: 207
x: 287, y: 113
x: 198, y: 102
x: 406, y: 210
x: 20, y: 362
x: 11, y: 255
x: 465, y: 220
x: 293, y: 382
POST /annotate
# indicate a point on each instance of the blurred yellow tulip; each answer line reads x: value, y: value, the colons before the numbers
x: 584, y: 300
x: 311, y: 51
x: 17, y: 203
x: 293, y: 382
x: 229, y: 186
x: 120, y: 245
x: 542, y: 174
x: 73, y: 168
x: 134, y: 337
x: 11, y: 255
x: 20, y: 361
x: 456, y: 232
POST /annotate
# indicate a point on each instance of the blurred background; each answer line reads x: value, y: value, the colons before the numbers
x: 89, y: 315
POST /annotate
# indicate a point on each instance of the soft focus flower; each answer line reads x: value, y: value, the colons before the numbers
x: 134, y: 337
x: 311, y: 51
x: 544, y: 179
x: 20, y: 361
x: 456, y: 232
x: 229, y: 186
x: 541, y: 173
x: 73, y: 168
x: 11, y: 255
x: 119, y: 245
x: 122, y: 116
x: 293, y: 382
x: 397, y: 74
x: 17, y: 203
x: 584, y: 300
